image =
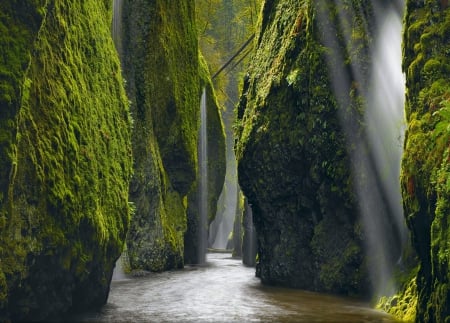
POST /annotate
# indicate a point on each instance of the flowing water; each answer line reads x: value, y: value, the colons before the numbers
x: 385, y: 130
x: 223, y: 290
x: 203, y: 167
x: 223, y: 223
x: 116, y: 28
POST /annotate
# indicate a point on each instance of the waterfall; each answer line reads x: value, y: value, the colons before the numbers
x: 119, y: 268
x: 385, y: 122
x: 376, y: 152
x: 203, y: 178
x: 116, y: 28
x: 226, y: 217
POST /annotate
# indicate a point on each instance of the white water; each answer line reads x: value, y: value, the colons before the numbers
x: 376, y: 153
x: 386, y: 125
x: 117, y: 25
x: 385, y: 112
x: 119, y: 272
x: 203, y: 168
x: 222, y: 226
x: 227, y: 217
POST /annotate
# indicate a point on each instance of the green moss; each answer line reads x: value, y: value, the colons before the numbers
x: 425, y: 163
x: 216, y: 141
x: 403, y: 305
x: 161, y: 66
x: 69, y: 149
x: 174, y: 222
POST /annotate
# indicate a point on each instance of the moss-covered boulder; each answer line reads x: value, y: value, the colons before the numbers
x: 65, y: 157
x: 293, y: 153
x: 425, y: 166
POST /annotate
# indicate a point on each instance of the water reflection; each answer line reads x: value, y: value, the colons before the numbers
x: 222, y: 291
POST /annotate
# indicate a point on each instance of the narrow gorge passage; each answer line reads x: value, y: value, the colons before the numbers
x: 223, y: 290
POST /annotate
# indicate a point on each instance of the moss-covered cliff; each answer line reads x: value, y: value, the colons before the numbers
x: 65, y: 157
x: 160, y: 64
x: 293, y: 156
x: 164, y: 78
x: 425, y: 166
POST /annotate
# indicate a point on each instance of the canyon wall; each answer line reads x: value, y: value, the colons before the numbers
x: 293, y: 146
x: 65, y: 157
x: 425, y: 166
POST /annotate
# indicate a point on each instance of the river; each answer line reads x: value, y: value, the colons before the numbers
x: 223, y: 290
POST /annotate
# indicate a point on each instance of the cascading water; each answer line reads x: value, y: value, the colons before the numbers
x: 119, y: 271
x: 117, y: 25
x: 375, y: 153
x: 385, y: 128
x: 226, y: 219
x: 116, y: 32
x: 385, y: 112
x: 203, y: 177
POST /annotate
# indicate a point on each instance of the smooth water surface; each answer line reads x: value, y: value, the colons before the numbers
x: 223, y: 290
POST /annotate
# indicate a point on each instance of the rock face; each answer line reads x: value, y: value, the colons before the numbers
x: 160, y: 65
x: 425, y: 166
x: 293, y: 157
x: 165, y: 79
x: 65, y: 157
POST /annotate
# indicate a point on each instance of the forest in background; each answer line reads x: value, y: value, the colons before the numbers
x: 225, y: 33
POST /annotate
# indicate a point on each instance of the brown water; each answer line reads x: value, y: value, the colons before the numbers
x: 222, y: 291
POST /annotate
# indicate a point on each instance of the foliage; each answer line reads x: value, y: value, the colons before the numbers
x: 223, y: 26
x: 441, y: 130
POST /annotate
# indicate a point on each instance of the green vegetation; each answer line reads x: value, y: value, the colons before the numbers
x: 216, y: 141
x: 403, y: 305
x: 66, y: 133
x: 162, y: 72
x: 68, y: 148
x: 425, y: 166
x: 223, y: 26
